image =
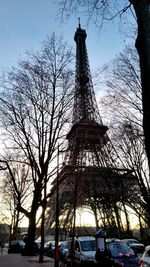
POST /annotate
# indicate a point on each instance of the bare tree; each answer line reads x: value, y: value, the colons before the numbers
x: 124, y: 102
x: 101, y: 12
x: 33, y: 109
x: 124, y: 92
x: 16, y: 189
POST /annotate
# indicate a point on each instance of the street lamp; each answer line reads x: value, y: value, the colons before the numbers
x: 57, y: 214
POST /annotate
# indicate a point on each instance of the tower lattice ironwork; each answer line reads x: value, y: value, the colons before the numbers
x: 91, y: 167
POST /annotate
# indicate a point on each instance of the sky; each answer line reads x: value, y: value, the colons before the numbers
x: 25, y: 24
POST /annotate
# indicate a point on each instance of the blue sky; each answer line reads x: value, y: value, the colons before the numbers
x: 24, y: 25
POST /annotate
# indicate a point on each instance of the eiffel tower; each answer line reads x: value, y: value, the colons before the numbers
x: 91, y: 167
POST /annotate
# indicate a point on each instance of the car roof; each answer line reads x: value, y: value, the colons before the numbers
x: 85, y: 238
x: 108, y: 240
x: 129, y: 239
x: 17, y: 241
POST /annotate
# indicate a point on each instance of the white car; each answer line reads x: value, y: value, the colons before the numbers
x: 84, y: 250
x: 145, y: 259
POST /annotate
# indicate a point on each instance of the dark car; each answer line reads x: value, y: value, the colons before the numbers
x: 49, y: 249
x: 35, y: 249
x: 134, y: 244
x: 16, y: 246
x: 120, y: 254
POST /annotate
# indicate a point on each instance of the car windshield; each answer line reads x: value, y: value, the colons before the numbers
x: 119, y: 250
x: 20, y: 242
x: 88, y: 245
x: 131, y: 241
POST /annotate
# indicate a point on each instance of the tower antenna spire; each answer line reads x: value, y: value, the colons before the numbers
x: 79, y: 23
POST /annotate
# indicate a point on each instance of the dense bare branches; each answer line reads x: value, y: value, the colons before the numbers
x: 124, y: 88
x: 96, y: 11
x: 124, y: 102
x: 34, y: 108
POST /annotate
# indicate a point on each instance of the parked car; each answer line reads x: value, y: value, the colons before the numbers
x: 46, y: 245
x: 64, y: 248
x: 38, y: 243
x: 84, y: 251
x: 34, y: 252
x: 120, y: 254
x: 145, y: 259
x: 52, y: 242
x: 16, y: 246
x: 134, y: 244
x: 112, y: 239
x: 49, y: 249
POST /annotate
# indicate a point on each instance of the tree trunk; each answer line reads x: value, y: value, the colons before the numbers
x: 41, y: 255
x: 141, y: 228
x: 142, y: 10
x: 94, y: 209
x: 29, y: 247
x: 118, y: 220
x: 15, y: 226
x: 96, y: 219
x: 128, y: 230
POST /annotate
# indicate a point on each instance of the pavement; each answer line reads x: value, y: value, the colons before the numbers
x: 16, y: 260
